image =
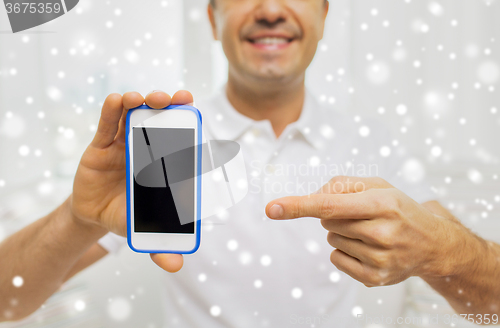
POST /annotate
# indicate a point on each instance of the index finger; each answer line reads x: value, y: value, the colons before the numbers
x: 130, y: 100
x: 365, y: 205
x: 112, y: 113
x: 351, y: 184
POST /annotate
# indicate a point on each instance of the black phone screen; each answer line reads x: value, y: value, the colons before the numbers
x: 164, y: 180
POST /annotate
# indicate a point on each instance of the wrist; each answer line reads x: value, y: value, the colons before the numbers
x: 84, y: 227
x: 457, y: 250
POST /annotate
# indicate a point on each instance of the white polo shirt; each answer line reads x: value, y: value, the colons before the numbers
x: 251, y: 271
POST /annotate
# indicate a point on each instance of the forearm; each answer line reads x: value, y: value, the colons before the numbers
x: 475, y: 290
x: 470, y: 279
x: 42, y: 254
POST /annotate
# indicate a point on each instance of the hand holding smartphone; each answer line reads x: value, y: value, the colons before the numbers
x: 163, y: 153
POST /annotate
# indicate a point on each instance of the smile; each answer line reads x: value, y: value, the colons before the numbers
x: 270, y: 42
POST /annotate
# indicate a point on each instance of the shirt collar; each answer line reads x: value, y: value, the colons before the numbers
x: 226, y: 123
x: 310, y: 122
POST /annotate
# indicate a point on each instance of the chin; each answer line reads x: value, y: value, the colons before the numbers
x: 271, y: 74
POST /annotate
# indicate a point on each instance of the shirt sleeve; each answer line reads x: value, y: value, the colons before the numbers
x: 112, y: 242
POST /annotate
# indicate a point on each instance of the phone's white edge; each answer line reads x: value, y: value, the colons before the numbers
x: 166, y: 119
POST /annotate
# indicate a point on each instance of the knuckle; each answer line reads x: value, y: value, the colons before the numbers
x: 383, y: 276
x: 327, y: 208
x: 342, y: 179
x: 383, y: 236
x: 338, y: 178
x: 380, y: 259
x: 394, y: 210
x: 337, y: 184
x: 379, y: 181
x: 389, y: 205
x: 334, y: 258
x: 298, y: 209
x: 326, y: 224
x: 332, y: 239
x: 359, y: 186
x: 371, y: 281
x: 375, y: 277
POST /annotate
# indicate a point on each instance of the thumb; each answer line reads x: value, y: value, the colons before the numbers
x: 168, y: 262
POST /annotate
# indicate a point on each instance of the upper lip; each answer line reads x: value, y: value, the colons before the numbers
x: 260, y: 35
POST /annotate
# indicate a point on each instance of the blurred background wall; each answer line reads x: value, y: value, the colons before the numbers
x: 429, y: 69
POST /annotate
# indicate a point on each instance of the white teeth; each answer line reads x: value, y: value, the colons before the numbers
x: 271, y: 40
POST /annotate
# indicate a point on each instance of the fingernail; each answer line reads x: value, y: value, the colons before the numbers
x: 276, y: 211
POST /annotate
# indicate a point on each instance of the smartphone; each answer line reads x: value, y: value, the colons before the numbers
x: 163, y: 155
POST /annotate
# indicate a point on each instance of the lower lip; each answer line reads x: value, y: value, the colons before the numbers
x: 270, y: 47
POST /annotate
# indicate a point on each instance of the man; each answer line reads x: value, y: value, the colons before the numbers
x: 258, y: 271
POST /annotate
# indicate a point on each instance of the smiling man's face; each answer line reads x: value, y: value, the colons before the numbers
x: 268, y: 40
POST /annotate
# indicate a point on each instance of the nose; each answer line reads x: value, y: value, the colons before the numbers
x: 271, y: 12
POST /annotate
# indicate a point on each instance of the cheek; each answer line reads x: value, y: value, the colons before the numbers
x: 313, y: 38
x: 228, y: 39
x: 229, y: 31
x: 312, y: 29
x: 311, y: 23
x: 233, y: 17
